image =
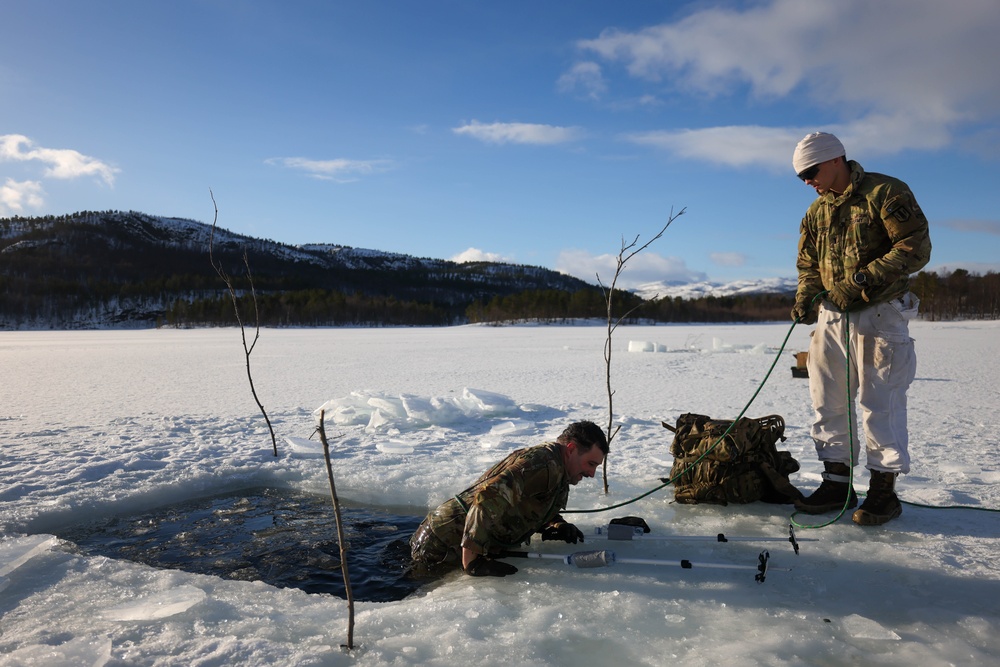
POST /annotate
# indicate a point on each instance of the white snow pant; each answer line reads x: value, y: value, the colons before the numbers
x: 881, y: 367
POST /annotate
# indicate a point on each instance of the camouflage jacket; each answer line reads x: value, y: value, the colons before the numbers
x: 875, y: 226
x: 515, y: 498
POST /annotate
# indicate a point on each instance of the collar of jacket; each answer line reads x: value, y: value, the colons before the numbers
x: 857, y: 174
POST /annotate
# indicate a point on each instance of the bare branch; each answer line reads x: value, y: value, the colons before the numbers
x: 247, y: 349
x: 627, y: 252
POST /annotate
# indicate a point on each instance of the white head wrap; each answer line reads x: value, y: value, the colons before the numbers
x: 815, y: 148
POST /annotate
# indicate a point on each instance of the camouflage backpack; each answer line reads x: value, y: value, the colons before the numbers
x: 742, y: 467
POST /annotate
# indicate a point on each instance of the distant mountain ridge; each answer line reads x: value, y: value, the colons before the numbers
x: 98, y: 269
x: 130, y: 269
x: 181, y: 233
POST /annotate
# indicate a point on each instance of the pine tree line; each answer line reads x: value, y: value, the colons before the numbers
x: 954, y: 295
x: 94, y: 269
x: 555, y: 307
x: 958, y: 295
x: 311, y: 308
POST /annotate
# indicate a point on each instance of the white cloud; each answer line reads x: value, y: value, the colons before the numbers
x: 728, y: 258
x: 477, y: 255
x: 61, y: 163
x: 585, y: 77
x: 15, y: 196
x: 644, y: 268
x: 518, y: 133
x: 908, y: 74
x: 974, y: 226
x: 750, y: 145
x: 340, y: 170
x: 735, y: 146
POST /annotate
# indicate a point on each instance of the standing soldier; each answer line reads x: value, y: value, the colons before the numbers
x: 859, y: 242
x: 517, y: 497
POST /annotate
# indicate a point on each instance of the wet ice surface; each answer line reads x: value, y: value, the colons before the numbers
x: 281, y: 537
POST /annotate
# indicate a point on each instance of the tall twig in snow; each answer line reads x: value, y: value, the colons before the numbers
x: 340, y: 533
x: 247, y: 348
x: 627, y: 252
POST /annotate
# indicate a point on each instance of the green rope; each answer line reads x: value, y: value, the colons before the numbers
x: 850, y: 426
x: 950, y: 507
x: 707, y: 451
x: 850, y: 431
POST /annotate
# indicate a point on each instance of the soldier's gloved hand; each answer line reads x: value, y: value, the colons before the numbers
x: 844, y: 293
x: 804, y: 314
x: 481, y: 566
x: 566, y: 532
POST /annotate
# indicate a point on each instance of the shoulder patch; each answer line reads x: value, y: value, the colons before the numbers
x: 899, y: 211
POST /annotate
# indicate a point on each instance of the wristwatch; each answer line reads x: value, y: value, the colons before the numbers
x: 860, y: 279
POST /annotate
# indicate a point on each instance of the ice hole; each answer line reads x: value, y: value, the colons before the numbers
x: 282, y: 537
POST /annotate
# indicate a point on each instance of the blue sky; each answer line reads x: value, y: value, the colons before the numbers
x: 534, y: 132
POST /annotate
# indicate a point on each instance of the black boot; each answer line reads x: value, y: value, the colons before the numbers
x: 833, y: 493
x: 881, y: 504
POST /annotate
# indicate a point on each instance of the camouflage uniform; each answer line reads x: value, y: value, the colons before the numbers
x: 875, y: 226
x: 516, y: 497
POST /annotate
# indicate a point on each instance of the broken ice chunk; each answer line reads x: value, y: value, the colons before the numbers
x: 860, y: 627
x: 159, y: 605
x: 17, y: 551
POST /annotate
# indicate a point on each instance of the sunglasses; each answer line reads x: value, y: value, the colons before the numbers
x: 810, y: 173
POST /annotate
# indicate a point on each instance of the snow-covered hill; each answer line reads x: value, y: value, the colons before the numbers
x: 659, y: 290
x: 131, y: 269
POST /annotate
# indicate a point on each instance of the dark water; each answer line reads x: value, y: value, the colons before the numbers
x: 282, y: 537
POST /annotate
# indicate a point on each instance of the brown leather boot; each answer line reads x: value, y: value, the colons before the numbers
x: 881, y: 504
x: 833, y: 494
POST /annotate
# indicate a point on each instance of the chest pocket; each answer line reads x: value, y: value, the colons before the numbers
x: 858, y: 232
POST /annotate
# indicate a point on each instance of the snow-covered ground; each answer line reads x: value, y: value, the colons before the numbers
x: 101, y: 423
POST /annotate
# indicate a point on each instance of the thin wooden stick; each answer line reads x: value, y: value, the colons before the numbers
x: 340, y: 533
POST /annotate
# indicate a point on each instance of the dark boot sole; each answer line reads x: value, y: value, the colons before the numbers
x: 864, y: 518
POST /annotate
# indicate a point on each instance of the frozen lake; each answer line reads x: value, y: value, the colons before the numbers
x: 100, y: 424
